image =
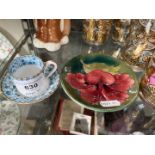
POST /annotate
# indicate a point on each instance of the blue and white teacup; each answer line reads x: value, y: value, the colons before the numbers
x: 29, y: 74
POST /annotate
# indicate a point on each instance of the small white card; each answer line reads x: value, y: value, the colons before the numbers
x: 81, y: 124
x: 112, y: 103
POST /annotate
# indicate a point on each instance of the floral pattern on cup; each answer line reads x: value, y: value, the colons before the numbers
x: 29, y: 74
x: 24, y: 60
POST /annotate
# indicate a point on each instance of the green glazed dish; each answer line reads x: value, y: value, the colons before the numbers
x: 88, y: 62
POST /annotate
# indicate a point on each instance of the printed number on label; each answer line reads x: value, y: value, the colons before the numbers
x: 31, y: 86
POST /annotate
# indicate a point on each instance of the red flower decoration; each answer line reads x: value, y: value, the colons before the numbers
x: 98, y: 85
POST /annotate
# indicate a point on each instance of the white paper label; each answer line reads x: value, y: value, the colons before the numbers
x: 32, y: 87
x: 112, y: 103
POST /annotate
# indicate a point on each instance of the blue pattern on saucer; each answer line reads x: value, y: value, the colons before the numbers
x: 10, y: 91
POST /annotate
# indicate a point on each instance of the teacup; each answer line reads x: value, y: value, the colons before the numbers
x: 29, y: 74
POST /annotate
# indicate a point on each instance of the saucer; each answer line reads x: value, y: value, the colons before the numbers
x: 10, y: 118
x: 11, y: 92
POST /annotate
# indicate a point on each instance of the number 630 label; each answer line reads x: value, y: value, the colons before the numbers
x: 31, y: 86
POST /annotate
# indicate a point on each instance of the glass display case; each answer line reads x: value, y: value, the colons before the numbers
x: 42, y: 117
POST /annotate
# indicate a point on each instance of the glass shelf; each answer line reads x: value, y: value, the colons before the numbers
x: 39, y: 118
